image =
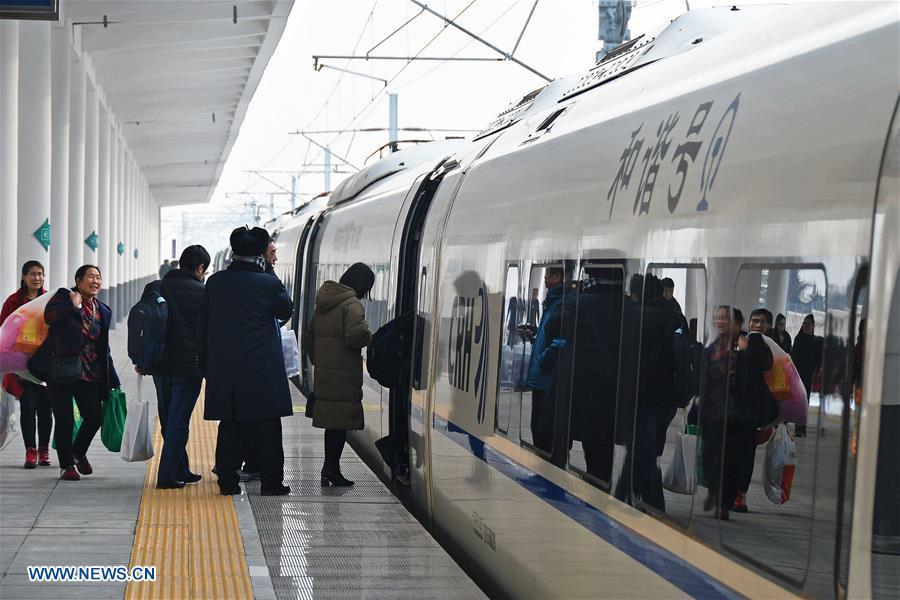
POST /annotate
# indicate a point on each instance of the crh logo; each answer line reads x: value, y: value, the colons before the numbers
x: 467, y: 337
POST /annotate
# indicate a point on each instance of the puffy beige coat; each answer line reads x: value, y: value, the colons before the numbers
x: 339, y: 332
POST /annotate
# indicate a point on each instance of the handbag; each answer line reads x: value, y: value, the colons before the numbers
x: 681, y: 473
x: 137, y: 439
x: 113, y: 425
x: 65, y: 369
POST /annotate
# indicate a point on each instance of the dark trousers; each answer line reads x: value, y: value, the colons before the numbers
x: 726, y: 468
x: 89, y: 398
x: 229, y: 451
x: 35, y: 405
x: 250, y: 453
x: 640, y: 475
x: 542, y: 439
x: 176, y: 396
x: 334, y: 446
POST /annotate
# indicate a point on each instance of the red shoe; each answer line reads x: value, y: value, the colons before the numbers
x: 43, y: 456
x: 740, y: 504
x: 69, y: 474
x: 723, y: 515
x: 84, y: 467
x: 31, y: 456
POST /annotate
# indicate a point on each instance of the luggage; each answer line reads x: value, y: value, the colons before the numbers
x: 137, y: 440
x: 784, y: 382
x: 387, y: 353
x: 291, y: 352
x: 147, y: 330
x: 681, y: 473
x: 113, y: 425
x: 778, y: 470
x: 21, y: 334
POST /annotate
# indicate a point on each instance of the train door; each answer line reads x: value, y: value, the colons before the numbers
x: 874, y: 539
x: 411, y: 280
x: 300, y: 284
x: 305, y: 302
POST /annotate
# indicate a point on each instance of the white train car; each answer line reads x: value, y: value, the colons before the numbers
x: 750, y: 156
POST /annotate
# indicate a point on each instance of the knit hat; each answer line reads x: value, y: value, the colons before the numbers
x: 249, y: 242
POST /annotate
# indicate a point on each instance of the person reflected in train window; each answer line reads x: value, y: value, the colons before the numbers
x: 542, y: 364
x: 648, y: 360
x: 780, y: 334
x: 736, y: 403
x: 737, y: 326
x: 760, y: 322
x: 512, y: 322
x: 589, y: 364
x: 807, y: 357
x: 534, y: 307
x: 668, y: 292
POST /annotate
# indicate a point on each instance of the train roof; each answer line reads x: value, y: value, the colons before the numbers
x: 393, y: 163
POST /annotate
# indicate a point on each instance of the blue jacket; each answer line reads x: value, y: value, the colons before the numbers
x: 538, y: 378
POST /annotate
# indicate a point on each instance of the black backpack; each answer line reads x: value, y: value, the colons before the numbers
x: 686, y: 353
x: 147, y: 322
x: 387, y: 353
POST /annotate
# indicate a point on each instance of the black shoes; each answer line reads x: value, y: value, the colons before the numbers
x: 191, y: 477
x: 335, y: 479
x: 280, y: 490
x: 235, y: 491
x: 170, y: 485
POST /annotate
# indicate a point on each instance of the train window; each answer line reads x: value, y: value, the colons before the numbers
x: 588, y: 369
x: 542, y: 333
x: 512, y: 359
x: 886, y: 514
x: 663, y: 455
x: 760, y: 476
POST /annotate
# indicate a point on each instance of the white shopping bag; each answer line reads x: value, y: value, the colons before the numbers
x: 137, y: 441
x: 778, y: 470
x: 291, y: 352
x: 681, y: 474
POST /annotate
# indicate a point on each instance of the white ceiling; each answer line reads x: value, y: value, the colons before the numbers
x: 178, y: 75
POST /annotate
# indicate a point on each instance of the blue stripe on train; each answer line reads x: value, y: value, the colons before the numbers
x: 673, y: 569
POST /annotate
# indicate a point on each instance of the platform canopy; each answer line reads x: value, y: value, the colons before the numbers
x: 179, y: 76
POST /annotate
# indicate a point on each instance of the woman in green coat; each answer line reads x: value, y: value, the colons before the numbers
x: 339, y: 333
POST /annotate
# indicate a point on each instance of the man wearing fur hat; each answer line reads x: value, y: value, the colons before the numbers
x: 240, y: 352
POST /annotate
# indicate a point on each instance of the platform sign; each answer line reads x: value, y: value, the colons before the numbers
x: 43, y: 234
x: 92, y: 241
x: 42, y: 10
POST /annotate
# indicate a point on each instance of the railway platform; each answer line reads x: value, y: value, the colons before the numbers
x: 315, y: 543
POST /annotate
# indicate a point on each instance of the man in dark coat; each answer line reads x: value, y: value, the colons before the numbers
x: 178, y: 382
x: 807, y: 357
x: 240, y: 353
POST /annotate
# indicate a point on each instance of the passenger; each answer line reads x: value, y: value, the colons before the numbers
x: 807, y: 356
x: 240, y: 354
x: 589, y: 367
x: 249, y: 470
x: 540, y: 368
x: 760, y: 322
x: 339, y: 332
x: 75, y: 361
x: 164, y: 268
x: 178, y: 383
x: 34, y: 403
x: 729, y: 428
x: 668, y: 292
x: 780, y: 334
x: 512, y: 322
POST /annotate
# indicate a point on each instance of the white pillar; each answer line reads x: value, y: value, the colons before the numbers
x: 103, y: 231
x: 121, y: 210
x: 59, y: 272
x: 111, y: 278
x: 9, y: 153
x: 90, y: 224
x: 35, y: 142
x: 76, y: 168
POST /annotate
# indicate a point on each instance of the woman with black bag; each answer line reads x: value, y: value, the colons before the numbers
x: 76, y: 363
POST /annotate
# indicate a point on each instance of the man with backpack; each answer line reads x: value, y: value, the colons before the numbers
x: 174, y: 361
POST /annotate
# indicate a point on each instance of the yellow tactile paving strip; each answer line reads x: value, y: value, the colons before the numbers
x: 192, y: 536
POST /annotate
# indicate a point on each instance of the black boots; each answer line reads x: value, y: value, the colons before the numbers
x: 333, y: 477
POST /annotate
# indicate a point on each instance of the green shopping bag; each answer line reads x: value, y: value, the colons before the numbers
x: 113, y: 425
x: 77, y: 426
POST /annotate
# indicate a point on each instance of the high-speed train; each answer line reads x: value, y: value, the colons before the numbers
x: 752, y: 157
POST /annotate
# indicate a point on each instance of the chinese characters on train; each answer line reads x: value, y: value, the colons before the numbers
x: 648, y: 150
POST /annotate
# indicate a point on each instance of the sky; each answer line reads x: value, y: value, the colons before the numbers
x: 561, y: 39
